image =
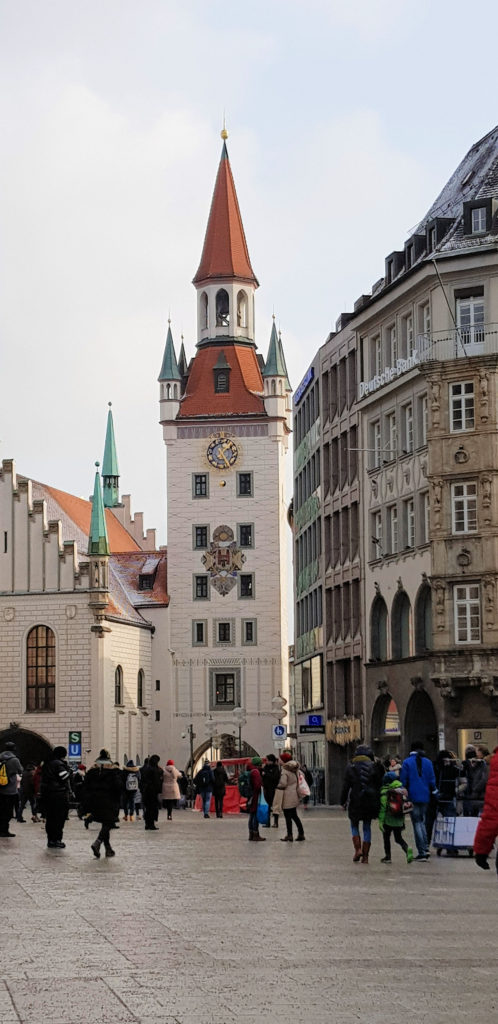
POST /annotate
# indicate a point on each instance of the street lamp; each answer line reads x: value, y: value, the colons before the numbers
x: 239, y: 717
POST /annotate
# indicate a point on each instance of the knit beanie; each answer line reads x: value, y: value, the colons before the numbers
x: 285, y: 756
x: 170, y: 762
x: 256, y: 760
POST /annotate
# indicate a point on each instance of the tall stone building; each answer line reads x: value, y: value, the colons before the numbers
x: 408, y: 414
x: 225, y: 420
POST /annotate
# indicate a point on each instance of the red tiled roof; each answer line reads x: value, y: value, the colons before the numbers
x: 225, y: 252
x: 200, y: 398
x: 80, y: 511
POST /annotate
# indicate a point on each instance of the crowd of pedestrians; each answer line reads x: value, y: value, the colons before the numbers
x: 389, y: 792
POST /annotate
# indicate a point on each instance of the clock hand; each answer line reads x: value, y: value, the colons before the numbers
x: 225, y: 460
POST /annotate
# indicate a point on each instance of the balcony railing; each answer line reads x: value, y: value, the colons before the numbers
x: 479, y: 340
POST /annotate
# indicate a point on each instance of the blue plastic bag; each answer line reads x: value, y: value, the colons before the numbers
x: 263, y: 811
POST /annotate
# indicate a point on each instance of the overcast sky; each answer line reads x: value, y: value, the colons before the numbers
x: 345, y: 119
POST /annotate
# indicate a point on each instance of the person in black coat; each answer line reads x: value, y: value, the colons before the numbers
x: 271, y: 778
x: 54, y: 796
x: 361, y: 796
x: 102, y: 797
x: 219, y: 787
x: 151, y: 783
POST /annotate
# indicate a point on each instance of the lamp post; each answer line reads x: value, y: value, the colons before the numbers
x: 240, y: 719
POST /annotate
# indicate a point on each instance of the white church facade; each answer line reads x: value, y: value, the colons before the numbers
x: 145, y: 650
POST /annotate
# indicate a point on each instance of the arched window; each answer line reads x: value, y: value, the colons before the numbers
x: 204, y: 312
x: 273, y: 387
x: 118, y: 685
x: 378, y: 630
x: 175, y: 390
x: 241, y: 309
x: 423, y: 620
x: 140, y: 688
x: 40, y: 680
x: 168, y: 390
x: 222, y: 308
x: 400, y: 626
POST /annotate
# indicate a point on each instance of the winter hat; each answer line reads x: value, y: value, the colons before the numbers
x: 170, y: 762
x: 256, y: 761
x: 104, y: 755
x: 389, y: 777
x: 59, y: 752
x: 130, y: 764
x: 363, y: 751
x: 82, y: 767
x: 285, y: 756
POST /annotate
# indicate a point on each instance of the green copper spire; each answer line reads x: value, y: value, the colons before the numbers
x: 110, y: 468
x: 98, y: 543
x: 275, y: 364
x: 288, y: 386
x: 169, y: 369
x: 182, y: 361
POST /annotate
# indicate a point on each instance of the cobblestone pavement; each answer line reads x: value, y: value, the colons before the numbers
x: 195, y: 924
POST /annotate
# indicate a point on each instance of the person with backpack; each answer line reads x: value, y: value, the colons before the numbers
x: 54, y: 796
x: 271, y: 778
x: 171, y: 789
x: 10, y: 768
x: 361, y: 798
x: 418, y: 778
x: 131, y: 775
x: 102, y: 796
x: 392, y: 816
x: 204, y: 783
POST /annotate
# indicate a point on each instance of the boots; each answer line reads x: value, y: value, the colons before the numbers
x: 275, y: 821
x: 256, y: 838
x: 109, y: 852
x: 131, y: 817
x: 357, y: 849
x: 364, y: 853
x: 96, y: 848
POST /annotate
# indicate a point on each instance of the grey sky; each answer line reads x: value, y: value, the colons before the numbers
x: 344, y: 119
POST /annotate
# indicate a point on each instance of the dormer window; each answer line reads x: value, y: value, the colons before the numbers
x: 477, y: 216
x: 221, y: 375
x: 145, y: 581
x: 478, y: 221
x: 147, y: 575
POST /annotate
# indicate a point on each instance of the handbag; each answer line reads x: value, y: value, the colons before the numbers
x: 303, y: 790
x: 262, y: 811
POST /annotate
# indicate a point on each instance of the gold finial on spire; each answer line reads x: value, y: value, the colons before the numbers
x: 224, y: 133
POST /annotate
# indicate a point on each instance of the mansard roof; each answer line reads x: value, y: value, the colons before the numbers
x: 246, y: 383
x: 225, y: 253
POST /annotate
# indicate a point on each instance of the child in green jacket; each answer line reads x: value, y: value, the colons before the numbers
x: 392, y: 817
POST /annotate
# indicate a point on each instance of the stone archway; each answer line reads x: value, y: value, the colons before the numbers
x: 421, y: 723
x: 30, y: 746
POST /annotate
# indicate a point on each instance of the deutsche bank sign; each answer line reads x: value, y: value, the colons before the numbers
x: 389, y: 374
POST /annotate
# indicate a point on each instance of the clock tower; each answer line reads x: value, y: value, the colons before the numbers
x: 225, y: 419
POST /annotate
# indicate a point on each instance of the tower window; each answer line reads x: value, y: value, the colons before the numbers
x: 246, y: 584
x: 200, y: 485
x: 140, y: 688
x: 241, y: 309
x: 222, y: 308
x: 201, y: 592
x: 244, y: 485
x: 204, y: 312
x: 200, y: 536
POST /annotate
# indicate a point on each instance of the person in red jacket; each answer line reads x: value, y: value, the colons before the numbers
x: 487, y: 829
x: 252, y: 802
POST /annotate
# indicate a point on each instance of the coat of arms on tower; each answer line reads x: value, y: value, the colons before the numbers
x: 223, y: 560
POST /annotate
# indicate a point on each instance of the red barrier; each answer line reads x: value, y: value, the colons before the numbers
x: 232, y: 801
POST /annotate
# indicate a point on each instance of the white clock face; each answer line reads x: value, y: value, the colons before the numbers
x: 222, y: 453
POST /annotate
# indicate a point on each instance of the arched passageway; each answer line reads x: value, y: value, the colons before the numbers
x: 30, y: 746
x: 421, y: 723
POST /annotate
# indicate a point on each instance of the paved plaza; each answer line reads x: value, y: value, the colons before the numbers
x: 194, y: 925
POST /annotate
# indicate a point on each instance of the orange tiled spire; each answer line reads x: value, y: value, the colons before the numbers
x: 225, y: 253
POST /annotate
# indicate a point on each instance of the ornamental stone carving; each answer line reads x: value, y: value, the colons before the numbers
x: 440, y: 591
x: 483, y: 395
x: 489, y: 601
x: 9, y: 614
x: 486, y: 484
x: 437, y: 497
x: 461, y: 455
x: 435, y: 400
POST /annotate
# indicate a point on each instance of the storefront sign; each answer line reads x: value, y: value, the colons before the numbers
x: 311, y: 728
x: 343, y: 730
x: 389, y: 374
